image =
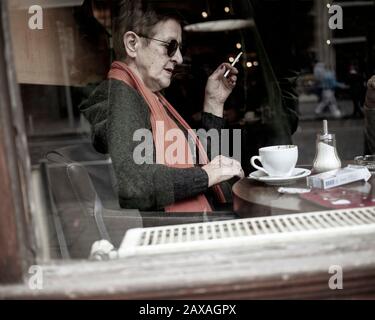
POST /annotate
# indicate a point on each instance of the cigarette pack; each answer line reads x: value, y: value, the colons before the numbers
x: 338, y: 177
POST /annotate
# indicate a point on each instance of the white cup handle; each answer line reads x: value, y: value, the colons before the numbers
x: 252, y: 161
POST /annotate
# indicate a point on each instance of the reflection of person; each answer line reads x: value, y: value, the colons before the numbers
x: 146, y: 44
x: 319, y: 70
x: 329, y: 85
x: 370, y: 116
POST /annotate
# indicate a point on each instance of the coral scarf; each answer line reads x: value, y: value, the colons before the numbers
x: 158, y: 105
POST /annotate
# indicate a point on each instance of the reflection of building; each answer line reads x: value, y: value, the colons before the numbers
x: 354, y: 43
x: 55, y: 65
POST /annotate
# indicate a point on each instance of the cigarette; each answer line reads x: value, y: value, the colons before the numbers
x: 233, y: 63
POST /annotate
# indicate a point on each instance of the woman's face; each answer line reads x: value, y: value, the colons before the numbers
x: 153, y: 63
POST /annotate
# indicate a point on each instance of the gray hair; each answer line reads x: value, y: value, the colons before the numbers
x: 139, y: 16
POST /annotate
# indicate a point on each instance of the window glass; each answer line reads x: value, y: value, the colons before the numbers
x: 293, y: 73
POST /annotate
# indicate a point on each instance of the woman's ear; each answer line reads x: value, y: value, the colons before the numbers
x: 131, y: 43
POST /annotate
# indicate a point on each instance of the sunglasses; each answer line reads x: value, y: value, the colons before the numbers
x: 171, y: 46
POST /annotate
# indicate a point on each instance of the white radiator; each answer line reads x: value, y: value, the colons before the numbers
x: 295, y: 227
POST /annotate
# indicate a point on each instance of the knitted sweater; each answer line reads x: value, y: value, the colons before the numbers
x: 115, y: 111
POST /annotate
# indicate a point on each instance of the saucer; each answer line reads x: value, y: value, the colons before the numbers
x: 298, y: 173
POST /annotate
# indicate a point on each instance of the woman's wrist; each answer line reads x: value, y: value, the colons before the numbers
x: 214, y: 108
x: 210, y: 176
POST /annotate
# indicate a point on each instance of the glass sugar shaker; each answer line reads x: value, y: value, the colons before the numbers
x: 326, y: 157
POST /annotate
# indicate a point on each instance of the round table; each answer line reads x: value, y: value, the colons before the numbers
x: 252, y: 198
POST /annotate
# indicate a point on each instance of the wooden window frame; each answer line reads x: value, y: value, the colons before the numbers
x: 16, y: 236
x: 259, y: 272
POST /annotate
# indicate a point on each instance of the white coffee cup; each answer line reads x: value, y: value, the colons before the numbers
x: 277, y: 161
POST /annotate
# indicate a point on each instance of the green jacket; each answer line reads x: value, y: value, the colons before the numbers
x: 115, y: 111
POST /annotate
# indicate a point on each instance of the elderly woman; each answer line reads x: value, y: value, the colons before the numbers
x: 147, y: 46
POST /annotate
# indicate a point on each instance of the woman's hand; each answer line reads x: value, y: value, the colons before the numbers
x: 221, y: 169
x: 219, y: 88
x: 370, y: 95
